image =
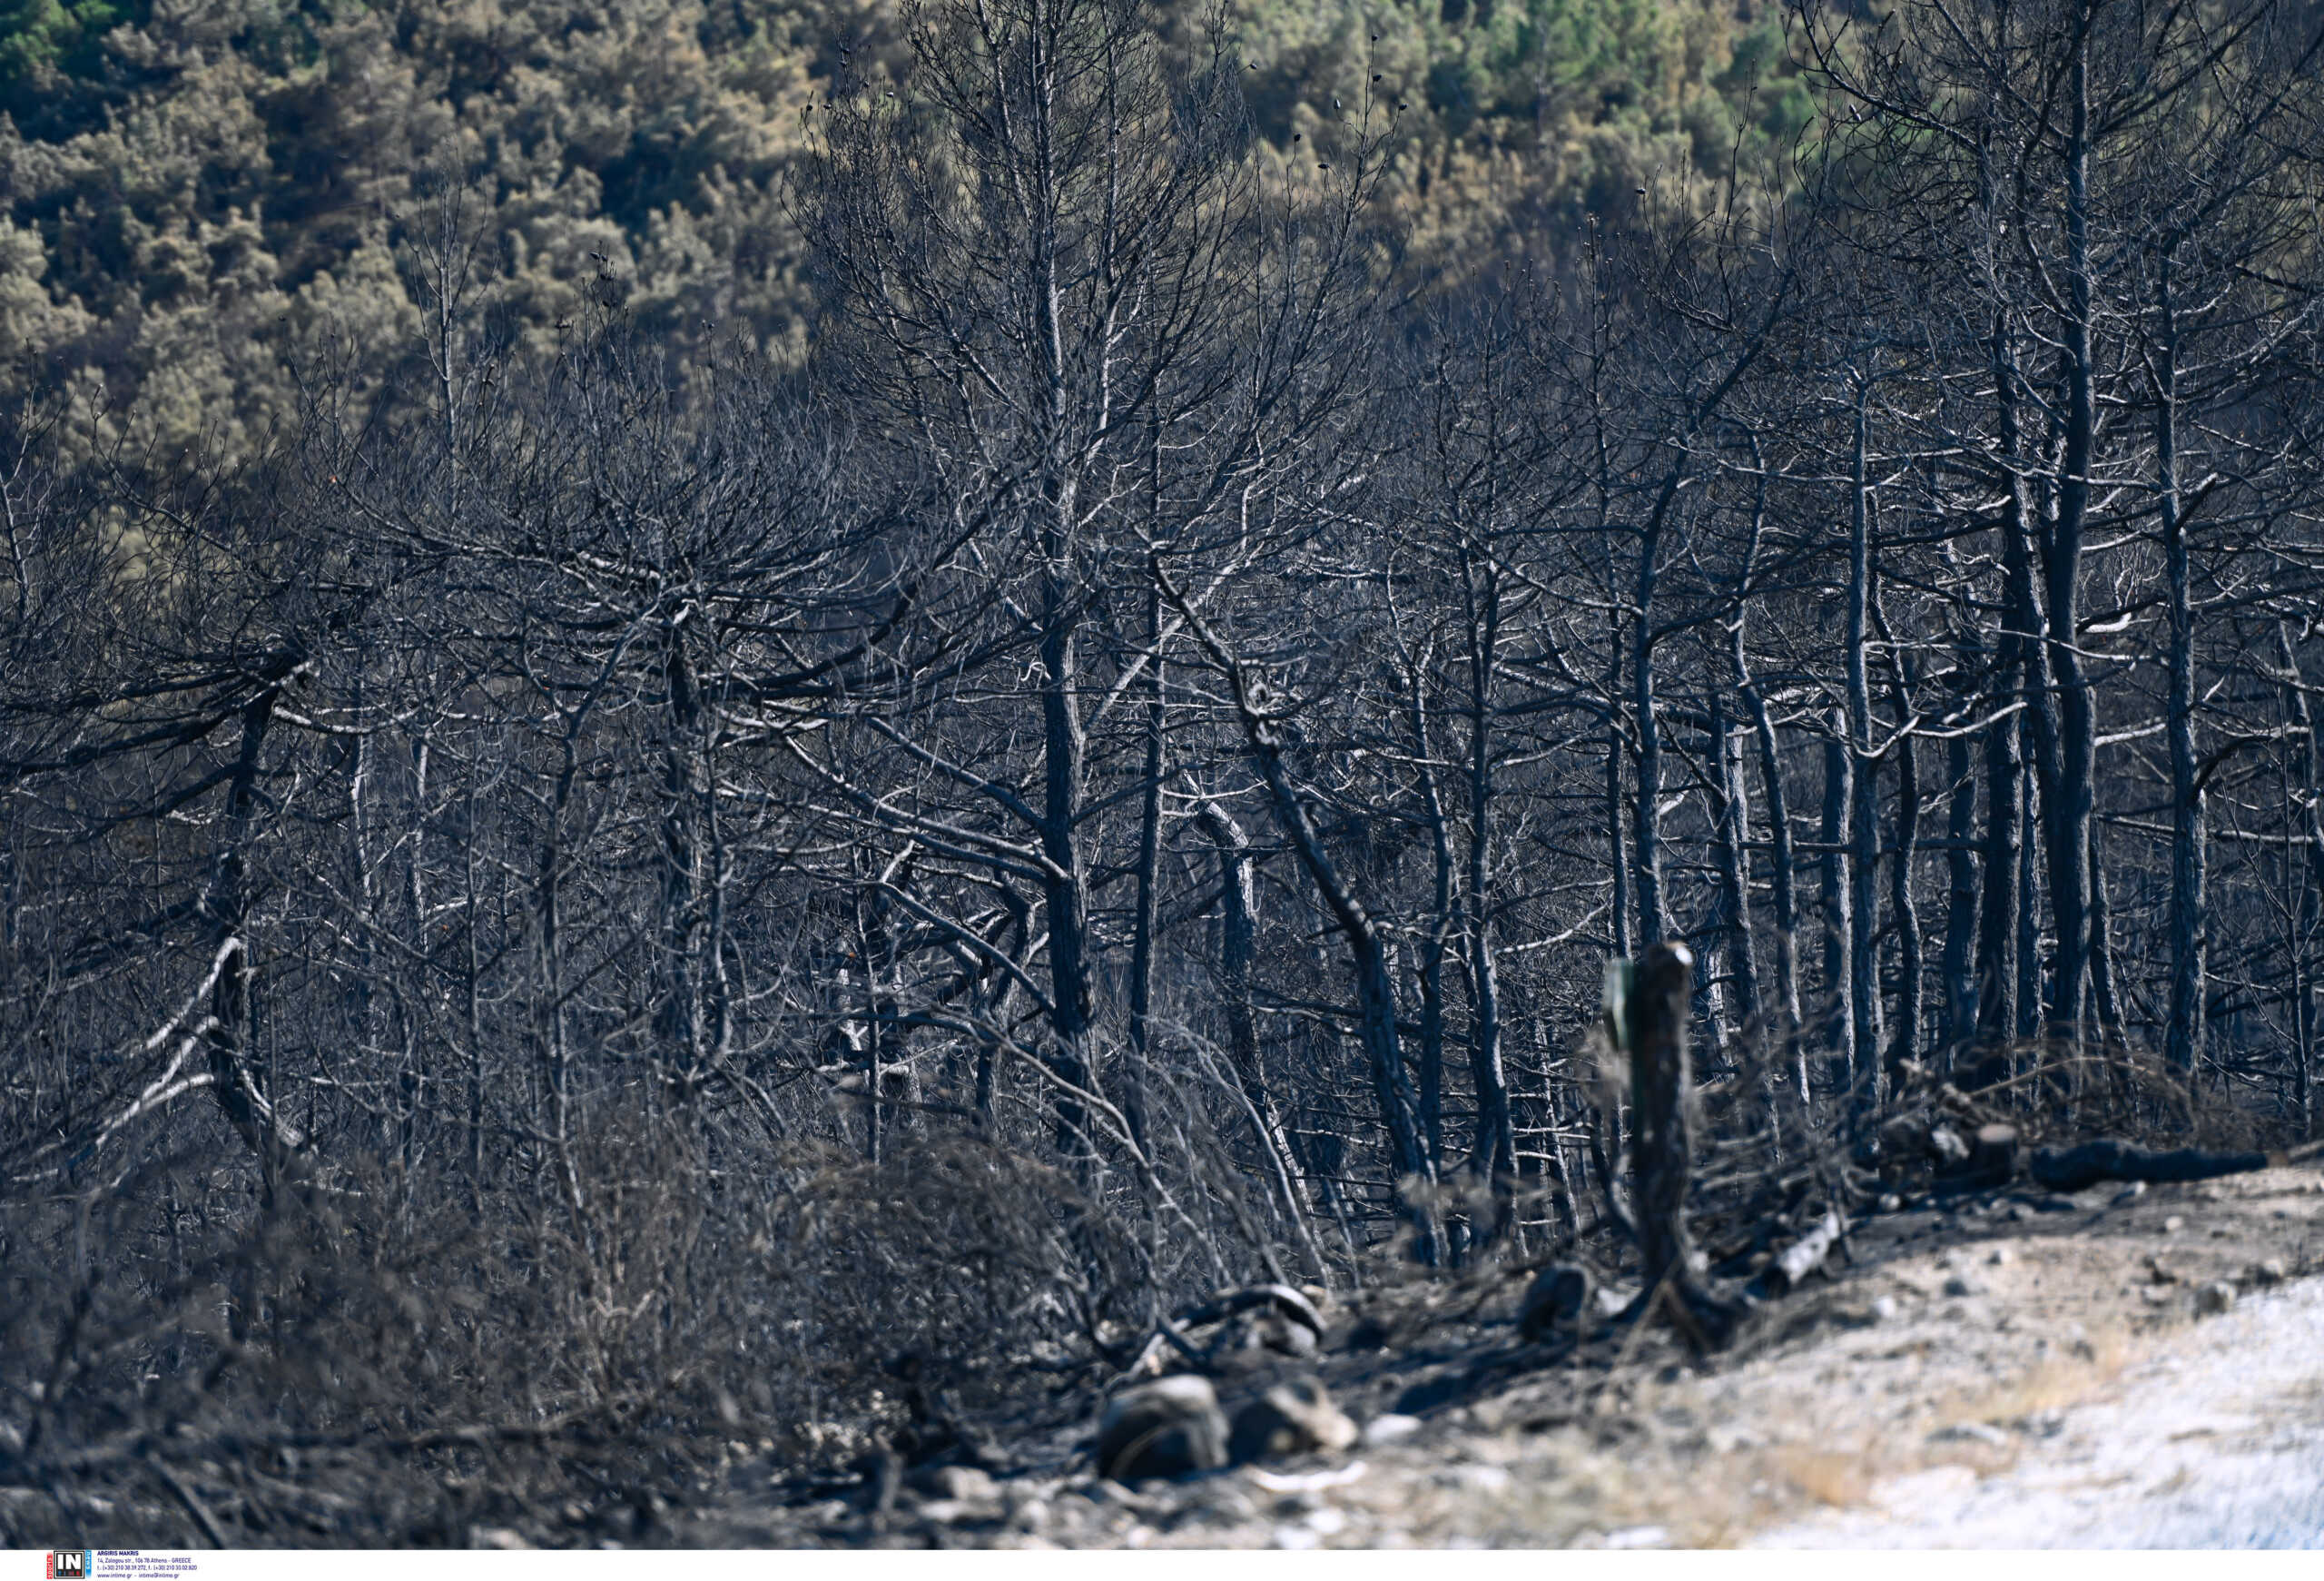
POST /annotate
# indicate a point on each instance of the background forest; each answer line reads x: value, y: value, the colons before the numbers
x: 725, y: 730
x: 193, y: 198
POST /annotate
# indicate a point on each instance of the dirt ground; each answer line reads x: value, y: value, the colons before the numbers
x: 2005, y: 1370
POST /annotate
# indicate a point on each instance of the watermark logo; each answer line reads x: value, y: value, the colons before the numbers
x: 70, y: 1565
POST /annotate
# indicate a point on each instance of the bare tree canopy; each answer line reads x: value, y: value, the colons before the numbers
x: 598, y: 894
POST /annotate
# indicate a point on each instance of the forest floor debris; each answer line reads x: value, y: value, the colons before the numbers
x: 1966, y: 1374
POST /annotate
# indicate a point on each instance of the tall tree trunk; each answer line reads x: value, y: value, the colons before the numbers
x: 1646, y: 803
x: 1863, y: 766
x: 2069, y: 818
x: 2029, y: 917
x: 1649, y: 803
x: 1065, y: 888
x: 472, y: 982
x: 1142, y: 926
x: 2002, y: 965
x: 1617, y: 837
x: 1428, y: 1067
x: 1782, y: 874
x: 2040, y: 728
x: 1840, y: 1030
x: 1493, y: 1149
x: 225, y: 905
x: 2103, y: 1001
x: 1731, y: 845
x: 1959, y: 1010
x: 2182, y: 1040
x: 1905, y: 1046
x: 2308, y: 804
x: 1997, y: 930
x: 676, y: 1024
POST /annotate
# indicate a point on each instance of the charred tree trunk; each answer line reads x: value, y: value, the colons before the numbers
x: 1864, y: 782
x: 1662, y: 1149
x: 1731, y: 838
x: 1493, y: 1148
x: 1142, y: 927
x: 1782, y: 871
x: 1958, y: 1018
x: 2307, y: 808
x: 226, y: 906
x: 2183, y: 1034
x: 1065, y: 887
x: 1998, y: 968
x: 1839, y: 1032
x: 1646, y: 804
x: 1905, y: 1046
x: 1429, y: 1074
x: 2029, y: 916
x: 2069, y: 818
x: 1618, y: 856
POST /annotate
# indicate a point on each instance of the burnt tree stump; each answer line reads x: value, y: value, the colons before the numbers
x: 1653, y: 1029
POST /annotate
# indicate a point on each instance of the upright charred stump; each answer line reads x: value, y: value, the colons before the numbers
x: 1652, y: 1025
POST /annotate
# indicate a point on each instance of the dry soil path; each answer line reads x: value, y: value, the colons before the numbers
x: 2214, y: 1441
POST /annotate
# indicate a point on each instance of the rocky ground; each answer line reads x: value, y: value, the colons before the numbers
x: 2009, y: 1369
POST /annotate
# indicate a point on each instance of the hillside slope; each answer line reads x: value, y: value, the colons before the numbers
x: 201, y: 206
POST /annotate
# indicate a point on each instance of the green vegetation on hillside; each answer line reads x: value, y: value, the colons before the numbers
x: 196, y: 200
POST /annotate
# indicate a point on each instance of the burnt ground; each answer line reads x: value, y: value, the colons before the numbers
x: 1951, y: 1347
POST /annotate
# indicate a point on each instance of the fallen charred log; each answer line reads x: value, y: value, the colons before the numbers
x: 2074, y: 1168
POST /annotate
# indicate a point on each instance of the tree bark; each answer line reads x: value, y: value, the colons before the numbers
x: 1142, y: 925
x: 1065, y: 888
x: 1959, y: 1010
x: 1864, y: 781
x: 1662, y: 1148
x: 1493, y: 1148
x: 226, y: 905
x: 1782, y: 874
x: 1731, y: 835
x: 2308, y: 806
x: 2069, y: 818
x: 1905, y: 1046
x: 1430, y: 1064
x: 1618, y: 858
x: 2184, y: 1032
x: 1839, y: 1034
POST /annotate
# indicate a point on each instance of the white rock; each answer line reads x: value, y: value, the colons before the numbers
x: 1388, y: 1427
x: 1639, y: 1538
x: 1308, y: 1482
x: 1484, y: 1479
